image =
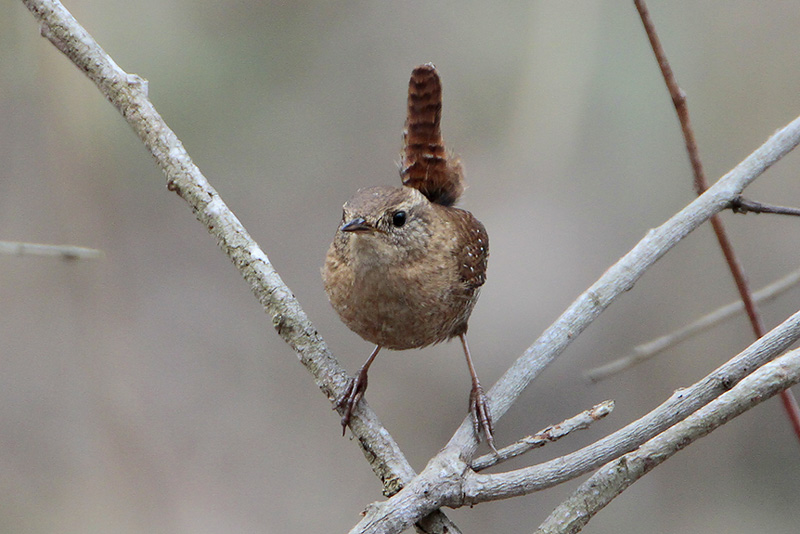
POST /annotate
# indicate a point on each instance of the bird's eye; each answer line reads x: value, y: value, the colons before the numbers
x: 399, y: 218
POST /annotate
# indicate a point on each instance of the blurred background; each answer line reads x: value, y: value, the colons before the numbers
x: 148, y: 392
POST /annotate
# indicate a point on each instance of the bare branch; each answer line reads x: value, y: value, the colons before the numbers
x: 700, y: 184
x: 615, y: 477
x: 67, y: 252
x: 550, y: 434
x: 645, y: 351
x: 683, y: 402
x: 127, y: 93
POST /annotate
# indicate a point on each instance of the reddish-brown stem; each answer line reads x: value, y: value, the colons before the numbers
x: 700, y: 185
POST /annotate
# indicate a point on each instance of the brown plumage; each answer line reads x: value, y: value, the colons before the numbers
x: 405, y: 267
x: 425, y: 163
x: 410, y: 286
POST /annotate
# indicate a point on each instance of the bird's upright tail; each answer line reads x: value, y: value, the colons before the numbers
x: 425, y: 164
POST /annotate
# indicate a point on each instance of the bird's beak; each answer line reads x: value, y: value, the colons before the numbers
x: 356, y: 225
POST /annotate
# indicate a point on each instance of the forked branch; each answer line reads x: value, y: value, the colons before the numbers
x: 700, y: 185
x: 549, y: 435
x: 420, y: 496
x: 447, y: 480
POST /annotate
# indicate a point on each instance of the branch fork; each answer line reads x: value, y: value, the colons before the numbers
x: 448, y: 479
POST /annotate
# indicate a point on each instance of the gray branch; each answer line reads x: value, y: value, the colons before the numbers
x: 622, y: 276
x: 613, y: 478
x: 446, y: 481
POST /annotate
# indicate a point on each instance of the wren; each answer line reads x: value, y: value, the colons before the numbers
x: 405, y: 267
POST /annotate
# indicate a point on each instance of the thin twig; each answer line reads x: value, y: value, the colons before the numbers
x: 701, y: 185
x: 550, y: 434
x: 67, y: 252
x: 645, y: 351
x: 613, y: 478
x: 744, y: 206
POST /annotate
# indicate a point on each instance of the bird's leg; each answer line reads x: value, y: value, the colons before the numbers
x: 355, y: 390
x: 478, y: 407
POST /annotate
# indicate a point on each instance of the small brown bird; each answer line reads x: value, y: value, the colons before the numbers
x: 405, y: 267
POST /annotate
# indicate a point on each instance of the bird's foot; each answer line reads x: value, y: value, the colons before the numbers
x: 481, y: 418
x: 352, y: 394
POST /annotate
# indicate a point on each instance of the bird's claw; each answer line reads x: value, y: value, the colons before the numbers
x: 352, y: 394
x: 481, y: 418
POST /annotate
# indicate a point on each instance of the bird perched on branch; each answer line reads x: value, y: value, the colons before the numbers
x: 405, y: 267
